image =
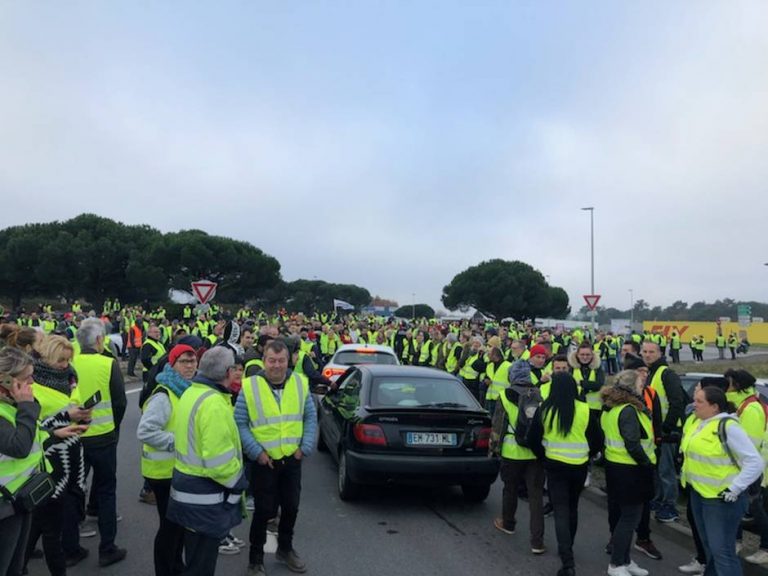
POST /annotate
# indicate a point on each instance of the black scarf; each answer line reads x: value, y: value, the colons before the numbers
x: 60, y: 380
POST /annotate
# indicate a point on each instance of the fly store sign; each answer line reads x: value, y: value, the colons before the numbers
x: 668, y: 329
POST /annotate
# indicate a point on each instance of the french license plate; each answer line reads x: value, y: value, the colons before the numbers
x: 430, y: 439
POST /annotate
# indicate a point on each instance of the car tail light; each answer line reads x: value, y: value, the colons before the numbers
x: 370, y: 434
x: 483, y: 439
x: 331, y: 372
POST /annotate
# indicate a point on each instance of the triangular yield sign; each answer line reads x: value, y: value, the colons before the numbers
x: 204, y: 290
x: 592, y: 300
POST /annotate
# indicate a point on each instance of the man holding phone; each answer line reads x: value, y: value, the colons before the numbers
x: 101, y: 387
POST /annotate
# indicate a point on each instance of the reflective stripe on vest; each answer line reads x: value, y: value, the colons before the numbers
x: 158, y: 464
x: 94, y: 372
x: 510, y: 449
x: 15, y: 471
x: 277, y: 427
x: 499, y: 378
x: 615, y: 448
x: 593, y: 398
x: 707, y: 467
x: 572, y: 448
x: 203, y: 499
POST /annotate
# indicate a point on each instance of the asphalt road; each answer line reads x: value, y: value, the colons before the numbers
x: 394, y: 531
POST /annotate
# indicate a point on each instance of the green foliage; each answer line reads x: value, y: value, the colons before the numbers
x: 503, y: 289
x: 91, y: 257
x: 679, y: 310
x: 312, y: 296
x: 421, y: 311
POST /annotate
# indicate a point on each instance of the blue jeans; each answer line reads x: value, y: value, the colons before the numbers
x: 666, y: 487
x: 103, y: 460
x: 718, y: 522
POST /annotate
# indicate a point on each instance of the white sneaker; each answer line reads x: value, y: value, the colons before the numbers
x: 739, y: 546
x: 618, y: 570
x: 228, y: 548
x: 759, y: 557
x: 588, y: 480
x: 693, y: 567
x: 635, y: 570
x: 249, y: 504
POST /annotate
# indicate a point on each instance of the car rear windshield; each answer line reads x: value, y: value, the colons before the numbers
x: 391, y: 392
x: 352, y: 357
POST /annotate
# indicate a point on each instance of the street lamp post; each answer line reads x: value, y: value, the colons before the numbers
x: 413, y: 306
x: 591, y: 210
x: 631, y: 309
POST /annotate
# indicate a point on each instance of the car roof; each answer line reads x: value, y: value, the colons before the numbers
x: 356, y: 347
x: 379, y: 370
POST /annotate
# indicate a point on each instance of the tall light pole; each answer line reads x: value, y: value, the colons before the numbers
x: 413, y: 307
x: 631, y: 309
x: 591, y: 210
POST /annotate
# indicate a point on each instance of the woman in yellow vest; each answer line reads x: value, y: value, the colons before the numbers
x: 55, y: 390
x: 629, y: 459
x: 720, y: 464
x: 157, y: 454
x: 558, y: 435
x: 22, y: 443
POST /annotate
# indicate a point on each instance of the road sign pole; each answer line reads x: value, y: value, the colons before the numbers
x: 591, y: 210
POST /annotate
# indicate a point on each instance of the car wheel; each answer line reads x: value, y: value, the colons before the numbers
x: 321, y: 445
x: 475, y: 492
x: 348, y: 490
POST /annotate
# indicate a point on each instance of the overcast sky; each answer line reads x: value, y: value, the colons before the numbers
x: 393, y: 144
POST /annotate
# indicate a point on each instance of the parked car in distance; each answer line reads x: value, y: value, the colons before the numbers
x: 407, y: 425
x: 353, y: 354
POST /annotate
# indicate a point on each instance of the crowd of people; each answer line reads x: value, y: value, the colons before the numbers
x: 228, y: 417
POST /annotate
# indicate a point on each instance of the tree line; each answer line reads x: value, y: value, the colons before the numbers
x: 679, y: 310
x: 92, y: 258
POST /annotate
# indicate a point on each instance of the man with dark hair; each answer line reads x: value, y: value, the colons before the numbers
x: 275, y: 394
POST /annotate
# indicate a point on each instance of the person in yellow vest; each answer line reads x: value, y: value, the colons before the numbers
x: 496, y: 377
x: 208, y: 478
x: 151, y: 351
x: 98, y: 374
x: 538, y: 356
x: 471, y: 366
x: 155, y: 432
x: 558, y: 436
x: 76, y: 307
x: 720, y: 344
x: 720, y: 462
x: 518, y: 463
x: 733, y: 343
x: 675, y: 344
x: 629, y: 459
x: 55, y: 390
x: 671, y: 396
x: 752, y: 417
x: 452, y: 353
x: 589, y: 375
x: 276, y: 417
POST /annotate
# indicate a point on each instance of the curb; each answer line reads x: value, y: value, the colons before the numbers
x: 677, y: 533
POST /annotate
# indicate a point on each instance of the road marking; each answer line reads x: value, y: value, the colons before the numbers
x: 133, y: 391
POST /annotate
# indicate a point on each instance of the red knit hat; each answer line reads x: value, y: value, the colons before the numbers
x: 538, y: 349
x: 177, y: 351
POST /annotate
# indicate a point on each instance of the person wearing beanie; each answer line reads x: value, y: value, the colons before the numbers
x: 518, y: 463
x: 630, y: 457
x: 157, y: 437
x: 538, y: 363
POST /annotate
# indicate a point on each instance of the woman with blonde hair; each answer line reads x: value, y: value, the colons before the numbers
x: 57, y: 521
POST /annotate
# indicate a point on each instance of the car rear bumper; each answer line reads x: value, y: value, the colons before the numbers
x: 419, y: 469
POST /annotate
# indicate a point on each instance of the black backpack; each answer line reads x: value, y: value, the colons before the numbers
x: 528, y: 401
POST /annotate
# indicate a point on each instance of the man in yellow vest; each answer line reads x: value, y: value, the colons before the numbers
x: 99, y: 374
x: 208, y: 479
x: 671, y: 396
x: 151, y: 351
x: 720, y: 344
x: 276, y: 417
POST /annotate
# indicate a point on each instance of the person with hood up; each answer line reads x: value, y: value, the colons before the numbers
x: 518, y: 462
x: 629, y: 459
x: 155, y: 431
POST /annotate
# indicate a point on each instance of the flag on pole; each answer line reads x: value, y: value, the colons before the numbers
x: 342, y: 304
